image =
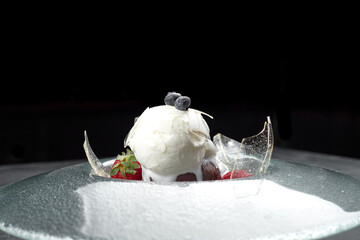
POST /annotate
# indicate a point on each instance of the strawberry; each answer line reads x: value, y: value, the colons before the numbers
x: 242, y: 173
x: 126, y: 167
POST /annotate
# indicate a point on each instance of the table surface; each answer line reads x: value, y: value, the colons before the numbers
x: 350, y: 166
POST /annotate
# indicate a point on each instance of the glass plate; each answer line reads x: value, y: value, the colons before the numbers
x: 290, y: 201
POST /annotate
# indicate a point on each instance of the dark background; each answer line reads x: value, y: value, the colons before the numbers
x: 61, y: 78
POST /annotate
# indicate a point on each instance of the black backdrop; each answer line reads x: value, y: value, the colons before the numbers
x: 58, y: 82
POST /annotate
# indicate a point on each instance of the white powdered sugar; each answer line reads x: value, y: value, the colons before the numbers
x: 30, y: 234
x: 246, y: 209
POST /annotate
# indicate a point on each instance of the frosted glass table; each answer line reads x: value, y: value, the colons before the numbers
x: 11, y: 173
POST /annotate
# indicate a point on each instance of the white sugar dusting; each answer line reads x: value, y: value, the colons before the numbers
x: 30, y: 234
x: 247, y: 209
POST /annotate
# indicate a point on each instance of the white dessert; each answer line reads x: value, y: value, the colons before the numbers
x: 168, y: 142
x: 172, y: 143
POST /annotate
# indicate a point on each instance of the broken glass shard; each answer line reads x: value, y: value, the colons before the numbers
x: 252, y: 154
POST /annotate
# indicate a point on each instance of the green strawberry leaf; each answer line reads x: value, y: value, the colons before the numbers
x: 116, y: 165
x: 130, y: 171
x: 132, y: 158
x: 128, y: 152
x: 114, y: 171
x: 123, y: 171
x: 126, y: 164
x: 134, y: 166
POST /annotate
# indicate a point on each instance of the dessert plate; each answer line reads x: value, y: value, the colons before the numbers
x: 290, y: 201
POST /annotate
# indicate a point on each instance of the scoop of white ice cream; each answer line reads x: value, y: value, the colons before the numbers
x: 168, y: 141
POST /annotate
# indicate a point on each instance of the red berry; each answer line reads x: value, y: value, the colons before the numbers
x: 126, y: 167
x: 242, y: 173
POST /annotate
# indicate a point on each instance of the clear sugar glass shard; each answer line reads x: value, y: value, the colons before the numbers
x: 252, y: 154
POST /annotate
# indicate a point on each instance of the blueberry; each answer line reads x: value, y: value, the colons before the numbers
x: 182, y: 103
x: 171, y: 98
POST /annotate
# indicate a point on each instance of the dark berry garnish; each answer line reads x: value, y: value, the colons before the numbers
x: 182, y: 103
x: 171, y: 98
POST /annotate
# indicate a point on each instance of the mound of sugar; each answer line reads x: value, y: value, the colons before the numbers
x: 247, y: 209
x: 30, y: 234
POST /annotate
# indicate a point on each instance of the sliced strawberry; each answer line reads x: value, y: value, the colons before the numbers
x: 242, y: 173
x: 126, y: 167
